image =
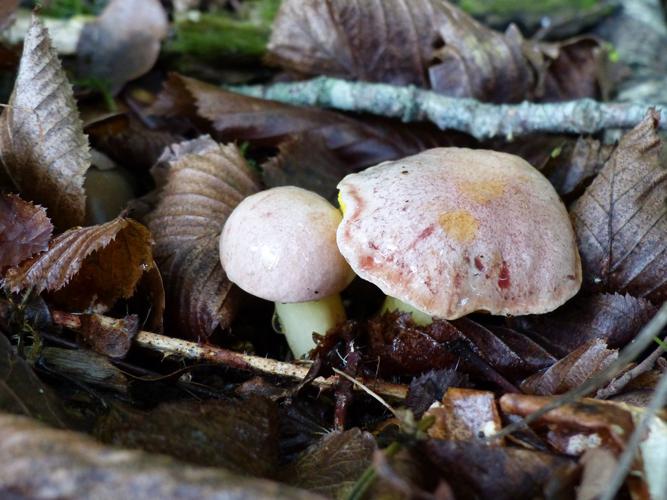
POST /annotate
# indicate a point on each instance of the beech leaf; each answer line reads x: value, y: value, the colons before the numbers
x: 24, y: 230
x: 621, y: 219
x: 428, y: 43
x: 613, y: 318
x: 90, y: 266
x: 571, y: 371
x: 234, y: 117
x: 205, y: 181
x: 123, y: 43
x: 42, y: 145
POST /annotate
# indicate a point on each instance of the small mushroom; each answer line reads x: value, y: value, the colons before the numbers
x: 452, y: 231
x: 280, y: 245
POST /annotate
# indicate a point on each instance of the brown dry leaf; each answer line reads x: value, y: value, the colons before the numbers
x: 305, y: 161
x: 123, y: 43
x: 571, y: 371
x: 42, y: 145
x: 465, y: 415
x: 428, y: 43
x: 23, y: 393
x: 37, y: 461
x: 331, y: 466
x: 613, y: 318
x: 574, y: 428
x: 7, y: 10
x: 24, y: 230
x: 204, y: 183
x: 234, y: 117
x: 90, y: 266
x: 621, y: 219
x: 113, y: 340
x: 475, y: 470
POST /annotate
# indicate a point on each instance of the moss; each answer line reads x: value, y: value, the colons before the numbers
x: 62, y: 9
x: 504, y: 7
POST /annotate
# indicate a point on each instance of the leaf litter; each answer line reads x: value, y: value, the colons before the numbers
x: 466, y: 377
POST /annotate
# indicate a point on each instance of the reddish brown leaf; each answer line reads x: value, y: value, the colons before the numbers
x: 465, y: 415
x: 234, y: 117
x: 430, y: 387
x: 24, y: 230
x: 90, y: 266
x: 475, y: 470
x: 113, y: 340
x: 42, y: 146
x: 204, y: 182
x: 621, y: 219
x: 610, y: 317
x: 572, y: 370
x: 428, y: 43
x: 123, y: 43
x: 305, y: 161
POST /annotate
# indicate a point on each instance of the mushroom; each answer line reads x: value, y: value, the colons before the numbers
x: 280, y: 245
x: 451, y: 231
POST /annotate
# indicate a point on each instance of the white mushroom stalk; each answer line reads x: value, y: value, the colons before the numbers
x: 392, y: 304
x: 453, y: 231
x: 280, y: 245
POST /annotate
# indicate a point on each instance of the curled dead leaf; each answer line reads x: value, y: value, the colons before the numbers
x: 113, y: 340
x: 123, y: 43
x: 89, y: 267
x: 621, y: 219
x: 24, y: 230
x: 42, y: 145
x: 204, y: 182
x: 428, y: 43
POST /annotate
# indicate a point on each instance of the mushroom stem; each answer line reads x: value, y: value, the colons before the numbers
x: 392, y: 304
x: 299, y: 320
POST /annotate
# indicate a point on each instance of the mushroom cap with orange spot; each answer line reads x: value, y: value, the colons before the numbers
x: 451, y: 231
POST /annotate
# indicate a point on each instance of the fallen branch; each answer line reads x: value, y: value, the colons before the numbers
x: 481, y: 120
x: 192, y: 351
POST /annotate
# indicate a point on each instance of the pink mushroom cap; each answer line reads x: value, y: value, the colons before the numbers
x: 280, y: 245
x: 452, y: 231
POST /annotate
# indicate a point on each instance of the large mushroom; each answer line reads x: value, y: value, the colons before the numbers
x: 452, y: 231
x: 280, y: 245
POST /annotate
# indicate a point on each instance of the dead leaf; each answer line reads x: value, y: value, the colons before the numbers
x: 7, y: 10
x: 113, y: 340
x: 42, y: 146
x: 85, y: 367
x: 430, y: 387
x: 465, y: 415
x: 90, y: 266
x: 38, y: 461
x: 614, y: 318
x: 475, y: 470
x: 24, y: 230
x: 234, y: 117
x: 428, y: 43
x: 205, y: 181
x: 621, y: 219
x: 123, y: 43
x: 240, y: 436
x: 331, y: 466
x: 305, y: 161
x: 573, y: 370
x: 22, y: 393
x: 599, y: 466
x: 576, y: 164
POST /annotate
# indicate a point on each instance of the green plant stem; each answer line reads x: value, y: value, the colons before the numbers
x: 479, y: 119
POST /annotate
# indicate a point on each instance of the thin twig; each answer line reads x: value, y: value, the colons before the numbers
x: 169, y: 346
x: 619, y: 383
x: 479, y: 119
x: 629, y: 354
